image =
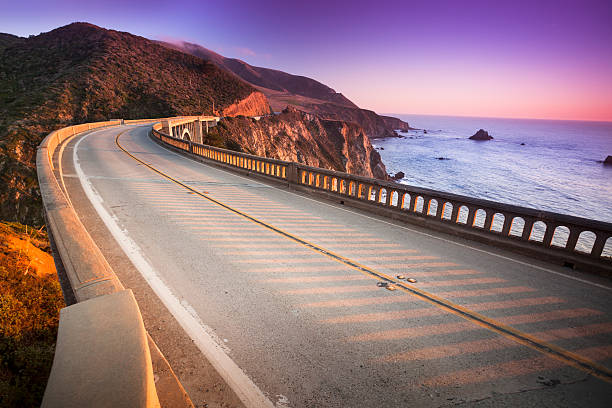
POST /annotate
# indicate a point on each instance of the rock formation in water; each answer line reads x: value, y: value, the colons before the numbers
x: 481, y: 135
x: 398, y: 176
x: 608, y: 160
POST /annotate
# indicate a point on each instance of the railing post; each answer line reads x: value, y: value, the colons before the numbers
x: 507, y: 225
x: 527, y: 227
x: 455, y: 212
x: 572, y: 239
x: 548, y: 235
x: 488, y: 219
x: 598, y: 246
x: 471, y: 216
x: 292, y: 173
x: 389, y: 197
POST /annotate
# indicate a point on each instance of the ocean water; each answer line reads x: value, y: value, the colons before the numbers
x: 557, y: 169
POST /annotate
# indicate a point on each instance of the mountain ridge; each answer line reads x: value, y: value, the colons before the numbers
x: 283, y: 89
x: 83, y: 73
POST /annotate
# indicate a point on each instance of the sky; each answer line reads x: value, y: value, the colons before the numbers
x: 525, y: 59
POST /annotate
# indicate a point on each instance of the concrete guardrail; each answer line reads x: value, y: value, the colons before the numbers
x: 567, y: 240
x: 102, y: 355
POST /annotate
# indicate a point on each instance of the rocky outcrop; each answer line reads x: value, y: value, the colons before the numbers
x: 398, y: 176
x: 481, y: 135
x: 302, y: 137
x: 608, y: 161
x: 255, y: 104
x: 396, y: 123
x: 373, y: 124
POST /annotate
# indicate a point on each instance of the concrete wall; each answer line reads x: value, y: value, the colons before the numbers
x: 102, y: 357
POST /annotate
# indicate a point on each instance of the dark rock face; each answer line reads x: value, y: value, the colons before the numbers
x: 608, y: 160
x: 481, y: 135
x: 398, y: 176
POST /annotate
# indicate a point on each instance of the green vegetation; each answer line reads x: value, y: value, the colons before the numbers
x: 30, y: 301
x: 83, y: 73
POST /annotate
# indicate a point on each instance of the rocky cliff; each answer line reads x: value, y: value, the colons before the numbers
x: 253, y: 105
x: 374, y: 125
x: 395, y: 123
x: 81, y: 73
x: 302, y: 137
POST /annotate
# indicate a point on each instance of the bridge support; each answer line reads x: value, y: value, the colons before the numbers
x: 197, y: 137
x: 167, y: 127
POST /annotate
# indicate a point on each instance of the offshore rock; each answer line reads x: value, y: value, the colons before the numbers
x: 481, y: 135
x: 608, y: 160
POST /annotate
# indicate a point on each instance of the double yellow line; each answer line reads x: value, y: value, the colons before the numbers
x: 511, y: 333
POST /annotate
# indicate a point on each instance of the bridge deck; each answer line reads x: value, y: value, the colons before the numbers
x: 288, y: 285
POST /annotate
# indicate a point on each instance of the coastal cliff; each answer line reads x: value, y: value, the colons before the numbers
x: 302, y: 137
x: 255, y: 104
x: 373, y: 124
x: 395, y: 123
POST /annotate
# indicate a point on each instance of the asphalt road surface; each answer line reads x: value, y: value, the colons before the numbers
x: 286, y: 286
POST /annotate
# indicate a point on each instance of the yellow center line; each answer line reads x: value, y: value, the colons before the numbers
x: 518, y: 336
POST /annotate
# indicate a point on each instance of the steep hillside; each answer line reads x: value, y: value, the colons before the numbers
x: 265, y: 78
x: 30, y: 300
x: 302, y: 137
x: 283, y: 89
x: 7, y: 40
x: 80, y: 73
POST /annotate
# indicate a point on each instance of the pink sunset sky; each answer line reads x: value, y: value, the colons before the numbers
x: 528, y: 59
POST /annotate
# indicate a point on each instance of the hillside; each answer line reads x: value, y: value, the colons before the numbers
x: 283, y: 89
x: 30, y: 300
x: 265, y: 78
x: 7, y: 40
x: 80, y: 73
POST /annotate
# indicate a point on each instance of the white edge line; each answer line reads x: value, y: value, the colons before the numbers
x: 239, y: 382
x: 404, y: 227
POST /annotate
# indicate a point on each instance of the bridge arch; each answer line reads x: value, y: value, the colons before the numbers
x: 185, y: 135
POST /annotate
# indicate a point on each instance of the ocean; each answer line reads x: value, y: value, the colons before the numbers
x: 544, y: 164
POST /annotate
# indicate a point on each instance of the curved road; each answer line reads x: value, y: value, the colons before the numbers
x: 271, y: 276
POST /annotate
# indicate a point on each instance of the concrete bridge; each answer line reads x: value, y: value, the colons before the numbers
x: 190, y: 129
x: 304, y: 287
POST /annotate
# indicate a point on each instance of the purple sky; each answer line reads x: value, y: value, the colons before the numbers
x: 539, y: 59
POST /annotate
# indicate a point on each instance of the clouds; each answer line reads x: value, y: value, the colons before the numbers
x: 244, y: 52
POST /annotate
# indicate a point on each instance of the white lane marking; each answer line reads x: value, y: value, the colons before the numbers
x: 404, y: 227
x: 243, y: 386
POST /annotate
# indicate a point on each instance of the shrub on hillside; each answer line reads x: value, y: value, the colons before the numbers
x: 29, y: 317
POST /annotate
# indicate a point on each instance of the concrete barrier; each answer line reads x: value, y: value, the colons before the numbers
x: 110, y: 368
x: 102, y: 357
x: 566, y: 240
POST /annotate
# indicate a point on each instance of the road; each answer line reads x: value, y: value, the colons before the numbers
x: 286, y: 287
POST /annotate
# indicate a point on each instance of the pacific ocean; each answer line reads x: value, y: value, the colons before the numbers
x: 544, y: 164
